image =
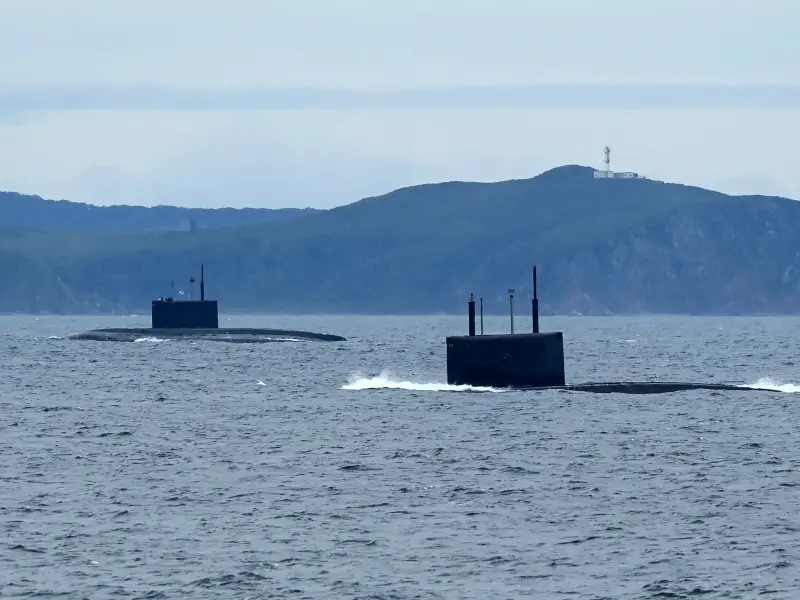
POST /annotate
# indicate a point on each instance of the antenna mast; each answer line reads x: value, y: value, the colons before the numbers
x: 607, y: 150
x: 511, y: 306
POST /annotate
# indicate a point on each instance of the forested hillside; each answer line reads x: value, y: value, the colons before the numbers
x: 602, y: 247
x: 32, y: 212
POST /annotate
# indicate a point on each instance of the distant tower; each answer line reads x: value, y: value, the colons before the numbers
x: 607, y: 150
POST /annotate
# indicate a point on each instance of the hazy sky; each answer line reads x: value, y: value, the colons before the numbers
x: 323, y: 102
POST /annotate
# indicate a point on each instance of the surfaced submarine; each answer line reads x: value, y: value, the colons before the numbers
x: 535, y: 361
x: 197, y: 320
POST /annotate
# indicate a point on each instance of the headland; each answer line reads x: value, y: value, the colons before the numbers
x: 612, y: 245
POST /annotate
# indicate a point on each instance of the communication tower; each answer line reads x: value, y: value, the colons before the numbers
x: 607, y: 173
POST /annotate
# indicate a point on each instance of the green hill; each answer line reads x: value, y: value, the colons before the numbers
x: 602, y: 247
x: 33, y: 212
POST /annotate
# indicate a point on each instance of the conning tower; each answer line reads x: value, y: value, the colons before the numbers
x: 506, y: 360
x: 168, y: 313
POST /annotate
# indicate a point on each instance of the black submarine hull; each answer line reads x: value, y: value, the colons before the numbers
x: 231, y: 335
x: 643, y: 387
x: 535, y: 361
x: 197, y: 320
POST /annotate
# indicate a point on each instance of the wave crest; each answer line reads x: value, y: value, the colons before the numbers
x: 767, y: 383
x: 386, y: 381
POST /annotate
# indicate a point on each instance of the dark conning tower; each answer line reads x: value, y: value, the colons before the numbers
x: 167, y: 313
x: 506, y: 360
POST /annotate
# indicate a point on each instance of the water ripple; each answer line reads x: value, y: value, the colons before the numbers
x: 206, y: 470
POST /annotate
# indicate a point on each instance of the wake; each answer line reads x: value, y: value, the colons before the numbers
x: 767, y: 383
x: 385, y: 381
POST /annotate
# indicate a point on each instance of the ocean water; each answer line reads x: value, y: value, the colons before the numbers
x: 351, y: 470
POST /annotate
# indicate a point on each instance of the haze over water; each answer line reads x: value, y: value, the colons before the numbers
x: 350, y: 470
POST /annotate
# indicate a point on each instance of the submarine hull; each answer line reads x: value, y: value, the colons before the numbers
x: 197, y: 320
x: 235, y: 335
x: 535, y: 361
x: 643, y: 387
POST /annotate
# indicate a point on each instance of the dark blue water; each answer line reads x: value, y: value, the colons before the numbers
x: 212, y: 470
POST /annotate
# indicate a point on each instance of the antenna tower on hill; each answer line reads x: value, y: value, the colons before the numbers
x: 607, y: 173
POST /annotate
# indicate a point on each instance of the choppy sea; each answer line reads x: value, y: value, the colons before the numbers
x: 164, y: 469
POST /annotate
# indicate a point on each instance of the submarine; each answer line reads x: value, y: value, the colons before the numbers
x: 197, y: 320
x: 535, y: 360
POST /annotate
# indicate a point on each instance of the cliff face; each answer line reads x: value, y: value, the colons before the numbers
x: 726, y: 260
x: 602, y: 247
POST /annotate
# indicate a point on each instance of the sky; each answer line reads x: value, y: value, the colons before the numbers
x: 317, y: 103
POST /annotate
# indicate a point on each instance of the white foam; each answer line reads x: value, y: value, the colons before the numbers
x: 149, y: 339
x: 385, y: 381
x: 767, y: 383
